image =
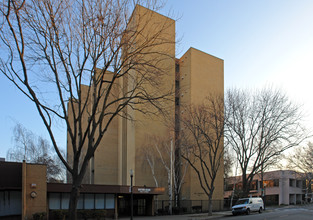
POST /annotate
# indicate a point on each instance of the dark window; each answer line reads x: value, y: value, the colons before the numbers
x: 141, y: 207
x: 177, y: 67
x: 85, y: 201
x: 177, y: 84
x: 298, y: 182
x: 276, y: 182
x: 176, y: 100
x: 270, y: 183
x: 254, y: 185
x: 229, y: 187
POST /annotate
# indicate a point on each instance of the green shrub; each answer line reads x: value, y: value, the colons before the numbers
x: 40, y: 216
x: 91, y: 214
x: 81, y: 214
x: 99, y: 214
x: 59, y: 214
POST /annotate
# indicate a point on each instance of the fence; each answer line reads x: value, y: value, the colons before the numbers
x: 187, y: 206
x: 161, y: 207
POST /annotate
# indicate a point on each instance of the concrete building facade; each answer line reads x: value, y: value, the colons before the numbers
x: 194, y: 76
x: 200, y: 75
x: 281, y: 187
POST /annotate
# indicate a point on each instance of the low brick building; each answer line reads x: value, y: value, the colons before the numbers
x: 24, y: 192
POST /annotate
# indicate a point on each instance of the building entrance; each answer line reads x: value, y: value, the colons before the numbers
x: 140, y: 206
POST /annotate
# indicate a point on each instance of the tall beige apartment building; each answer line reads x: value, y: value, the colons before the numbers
x: 194, y: 76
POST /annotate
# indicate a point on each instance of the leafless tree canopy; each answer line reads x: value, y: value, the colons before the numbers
x: 229, y: 161
x: 159, y: 153
x: 301, y: 160
x: 35, y: 149
x: 52, y: 49
x: 259, y: 126
x: 203, y: 134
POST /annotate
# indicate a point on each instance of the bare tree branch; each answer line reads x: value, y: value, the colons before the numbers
x: 204, y: 147
x: 260, y: 126
x: 81, y: 61
x: 35, y: 149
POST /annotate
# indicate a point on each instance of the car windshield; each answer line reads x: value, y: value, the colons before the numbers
x: 242, y: 201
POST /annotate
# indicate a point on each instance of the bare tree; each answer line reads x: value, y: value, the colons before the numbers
x: 152, y: 159
x: 228, y: 162
x: 160, y: 153
x: 204, y: 148
x: 260, y: 126
x: 51, y: 51
x: 35, y: 149
x: 301, y: 160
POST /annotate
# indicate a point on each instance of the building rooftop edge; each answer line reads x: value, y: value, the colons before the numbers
x: 138, y: 5
x: 192, y: 48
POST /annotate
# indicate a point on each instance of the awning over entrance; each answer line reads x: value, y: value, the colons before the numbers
x: 116, y: 189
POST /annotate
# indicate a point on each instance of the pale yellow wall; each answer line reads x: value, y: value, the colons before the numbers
x: 84, y: 92
x: 103, y: 168
x: 121, y: 147
x: 185, y: 79
x: 200, y: 75
x: 163, y: 30
x: 119, y: 150
x: 34, y: 177
x: 207, y: 76
x: 106, y: 157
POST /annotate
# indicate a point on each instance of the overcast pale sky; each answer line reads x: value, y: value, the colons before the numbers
x: 268, y: 42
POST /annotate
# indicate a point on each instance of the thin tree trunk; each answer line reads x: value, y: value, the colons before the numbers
x: 245, y: 186
x: 170, y: 194
x: 75, y: 192
x: 73, y: 202
x: 210, y: 205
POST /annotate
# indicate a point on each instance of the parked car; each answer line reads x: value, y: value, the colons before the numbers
x: 247, y: 205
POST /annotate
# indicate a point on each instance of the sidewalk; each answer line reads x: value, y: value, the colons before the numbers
x: 204, y: 216
x: 199, y: 216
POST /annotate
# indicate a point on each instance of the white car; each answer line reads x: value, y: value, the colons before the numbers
x: 247, y: 205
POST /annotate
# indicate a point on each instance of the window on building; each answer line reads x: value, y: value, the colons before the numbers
x: 89, y: 201
x: 10, y: 203
x: 176, y: 100
x: 298, y: 183
x: 254, y: 185
x: 80, y: 203
x: 229, y: 187
x: 270, y: 183
x: 99, y: 201
x: 276, y: 182
x: 109, y: 201
x: 141, y: 206
x: 292, y: 182
x: 239, y: 186
x: 65, y: 201
x: 176, y: 67
x: 85, y: 201
x: 54, y: 200
x: 176, y: 84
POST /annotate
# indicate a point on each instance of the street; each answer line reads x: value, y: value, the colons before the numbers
x: 285, y: 213
x: 304, y: 212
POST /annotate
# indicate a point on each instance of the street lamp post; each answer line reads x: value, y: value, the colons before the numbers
x: 131, y: 194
